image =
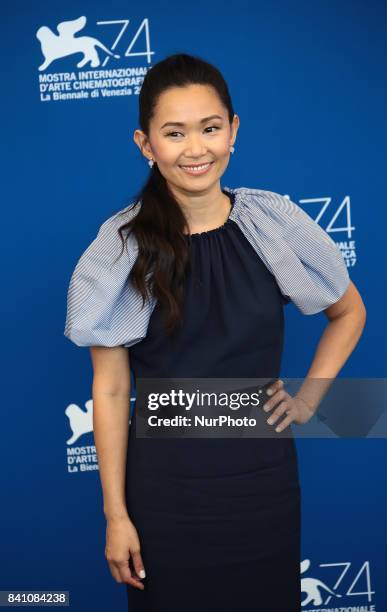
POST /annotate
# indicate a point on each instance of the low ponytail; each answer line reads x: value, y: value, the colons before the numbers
x: 164, y: 253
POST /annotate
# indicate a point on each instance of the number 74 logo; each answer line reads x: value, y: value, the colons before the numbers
x: 313, y: 587
x: 345, y: 205
x: 124, y: 24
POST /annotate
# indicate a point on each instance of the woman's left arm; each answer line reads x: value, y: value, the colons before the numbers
x: 347, y: 319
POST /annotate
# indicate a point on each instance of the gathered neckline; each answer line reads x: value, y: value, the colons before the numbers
x: 197, y: 235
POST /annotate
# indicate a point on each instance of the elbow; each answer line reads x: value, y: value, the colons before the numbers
x: 349, y: 306
x: 119, y: 391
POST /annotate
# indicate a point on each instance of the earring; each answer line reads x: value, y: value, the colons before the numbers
x: 232, y: 149
x: 151, y: 162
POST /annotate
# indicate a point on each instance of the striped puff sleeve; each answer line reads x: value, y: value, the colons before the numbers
x: 307, y: 264
x: 103, y: 308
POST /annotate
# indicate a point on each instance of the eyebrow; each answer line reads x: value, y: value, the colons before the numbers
x: 179, y: 123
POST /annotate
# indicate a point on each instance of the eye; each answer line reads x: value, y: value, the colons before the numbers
x: 215, y: 127
x: 211, y: 127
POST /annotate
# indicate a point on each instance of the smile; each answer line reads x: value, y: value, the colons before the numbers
x: 196, y: 169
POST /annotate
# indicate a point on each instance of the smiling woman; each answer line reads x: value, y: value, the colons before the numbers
x: 198, y: 145
x: 190, y: 281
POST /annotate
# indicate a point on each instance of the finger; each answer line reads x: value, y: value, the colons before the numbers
x: 278, y: 412
x: 275, y: 387
x: 126, y: 575
x: 115, y: 573
x: 273, y: 401
x: 138, y: 564
x: 284, y: 423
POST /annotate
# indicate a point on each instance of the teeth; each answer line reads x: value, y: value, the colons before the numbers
x: 197, y: 168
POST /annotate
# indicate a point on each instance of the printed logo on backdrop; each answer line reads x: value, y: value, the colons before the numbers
x: 336, y: 587
x: 79, y: 65
x: 81, y: 457
x: 340, y: 223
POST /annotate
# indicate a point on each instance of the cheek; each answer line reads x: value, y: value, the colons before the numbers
x: 164, y: 150
x: 222, y: 147
x: 168, y: 154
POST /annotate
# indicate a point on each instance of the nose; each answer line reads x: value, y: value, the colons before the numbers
x: 196, y: 147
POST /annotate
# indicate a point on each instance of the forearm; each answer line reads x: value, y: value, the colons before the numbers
x: 337, y: 342
x: 111, y: 426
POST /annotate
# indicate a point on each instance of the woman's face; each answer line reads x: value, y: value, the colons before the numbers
x: 190, y: 127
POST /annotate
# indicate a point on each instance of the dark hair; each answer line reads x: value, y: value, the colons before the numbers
x: 163, y: 252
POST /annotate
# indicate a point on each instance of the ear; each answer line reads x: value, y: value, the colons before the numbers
x: 142, y: 142
x: 234, y: 128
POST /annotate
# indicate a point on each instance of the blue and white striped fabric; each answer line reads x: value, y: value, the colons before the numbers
x: 104, y: 309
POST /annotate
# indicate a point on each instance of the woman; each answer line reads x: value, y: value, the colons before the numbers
x: 198, y: 291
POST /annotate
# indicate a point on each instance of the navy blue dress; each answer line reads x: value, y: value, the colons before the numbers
x: 218, y: 519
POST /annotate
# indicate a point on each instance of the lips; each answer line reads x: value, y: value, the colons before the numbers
x: 194, y: 165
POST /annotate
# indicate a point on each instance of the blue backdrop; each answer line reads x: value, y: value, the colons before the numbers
x: 308, y: 83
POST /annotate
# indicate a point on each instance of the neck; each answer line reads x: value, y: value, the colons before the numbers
x: 204, y: 210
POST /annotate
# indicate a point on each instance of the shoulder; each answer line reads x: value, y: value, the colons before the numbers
x: 119, y: 218
x: 306, y: 262
x: 109, y: 239
x: 283, y: 215
x: 268, y: 201
x: 103, y: 308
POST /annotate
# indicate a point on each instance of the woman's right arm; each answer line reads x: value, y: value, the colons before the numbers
x: 111, y: 411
